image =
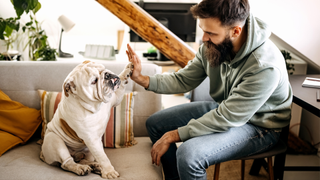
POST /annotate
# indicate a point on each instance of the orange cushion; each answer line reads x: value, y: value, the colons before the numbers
x: 16, y: 122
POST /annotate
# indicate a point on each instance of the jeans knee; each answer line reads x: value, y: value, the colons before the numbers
x: 188, y: 164
x: 186, y: 158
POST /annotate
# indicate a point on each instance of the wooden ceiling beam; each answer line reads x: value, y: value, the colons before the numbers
x: 150, y: 30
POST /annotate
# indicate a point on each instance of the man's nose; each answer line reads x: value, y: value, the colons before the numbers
x: 205, y: 37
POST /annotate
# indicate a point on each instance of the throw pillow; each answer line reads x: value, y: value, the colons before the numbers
x: 120, y: 123
x: 17, y: 123
x: 119, y: 131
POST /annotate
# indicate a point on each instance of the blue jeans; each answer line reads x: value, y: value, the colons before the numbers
x: 195, y: 155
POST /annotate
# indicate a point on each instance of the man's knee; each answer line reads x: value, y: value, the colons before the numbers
x: 186, y: 157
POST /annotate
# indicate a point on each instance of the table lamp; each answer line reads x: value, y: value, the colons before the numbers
x: 66, y: 24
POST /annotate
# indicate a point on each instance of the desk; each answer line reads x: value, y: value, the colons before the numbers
x: 303, y: 96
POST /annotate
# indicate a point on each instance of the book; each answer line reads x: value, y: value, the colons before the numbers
x: 311, y: 82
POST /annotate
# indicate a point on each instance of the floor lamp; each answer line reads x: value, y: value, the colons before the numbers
x: 66, y: 24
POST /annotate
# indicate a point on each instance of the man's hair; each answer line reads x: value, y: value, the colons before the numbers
x: 228, y: 12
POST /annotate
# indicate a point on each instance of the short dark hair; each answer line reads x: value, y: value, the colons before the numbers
x: 228, y: 12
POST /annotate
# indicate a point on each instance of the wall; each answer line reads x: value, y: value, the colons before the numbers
x: 294, y: 21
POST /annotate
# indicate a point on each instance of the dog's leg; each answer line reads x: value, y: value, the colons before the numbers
x: 89, y: 160
x: 55, y: 150
x: 96, y: 148
x: 124, y: 77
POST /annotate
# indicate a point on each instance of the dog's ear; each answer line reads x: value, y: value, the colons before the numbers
x: 69, y: 87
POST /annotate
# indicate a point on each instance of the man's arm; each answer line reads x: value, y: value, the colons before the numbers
x: 136, y: 73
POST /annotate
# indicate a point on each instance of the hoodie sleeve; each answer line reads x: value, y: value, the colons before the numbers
x: 182, y: 81
x: 243, y: 103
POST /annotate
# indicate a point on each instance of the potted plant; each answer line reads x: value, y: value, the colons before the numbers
x: 39, y: 48
x: 8, y: 33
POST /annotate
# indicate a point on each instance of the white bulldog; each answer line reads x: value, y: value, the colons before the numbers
x: 73, y: 136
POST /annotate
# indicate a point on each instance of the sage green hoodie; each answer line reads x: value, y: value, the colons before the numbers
x: 252, y: 88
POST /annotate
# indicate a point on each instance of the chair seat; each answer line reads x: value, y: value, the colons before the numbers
x: 279, y: 148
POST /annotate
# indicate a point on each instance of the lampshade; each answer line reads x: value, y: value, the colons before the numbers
x: 66, y: 23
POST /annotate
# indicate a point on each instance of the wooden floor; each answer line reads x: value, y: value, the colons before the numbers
x: 231, y: 171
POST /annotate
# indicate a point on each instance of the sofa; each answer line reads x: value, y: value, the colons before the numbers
x: 20, y: 80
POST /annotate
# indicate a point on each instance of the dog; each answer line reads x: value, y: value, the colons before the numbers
x: 73, y: 137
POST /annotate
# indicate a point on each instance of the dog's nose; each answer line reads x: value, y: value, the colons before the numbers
x: 115, y: 80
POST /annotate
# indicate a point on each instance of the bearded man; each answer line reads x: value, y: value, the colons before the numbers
x: 248, y: 81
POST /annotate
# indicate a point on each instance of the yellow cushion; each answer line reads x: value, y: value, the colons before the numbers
x: 17, y: 122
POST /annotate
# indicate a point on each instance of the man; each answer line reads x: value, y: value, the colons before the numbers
x: 248, y: 81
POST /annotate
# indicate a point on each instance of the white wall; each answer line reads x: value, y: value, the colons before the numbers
x: 294, y: 21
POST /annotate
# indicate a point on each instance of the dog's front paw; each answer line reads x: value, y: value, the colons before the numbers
x: 82, y: 170
x: 127, y: 72
x: 109, y: 174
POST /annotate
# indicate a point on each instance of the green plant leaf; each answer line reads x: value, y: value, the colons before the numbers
x: 19, y: 6
x: 3, y: 25
x: 25, y: 6
x: 37, y: 8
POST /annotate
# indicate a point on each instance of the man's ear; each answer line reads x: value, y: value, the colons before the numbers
x: 236, y: 31
x: 69, y: 87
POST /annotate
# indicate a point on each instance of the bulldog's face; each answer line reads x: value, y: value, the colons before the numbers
x: 91, y: 82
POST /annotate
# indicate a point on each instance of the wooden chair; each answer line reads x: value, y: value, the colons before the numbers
x: 278, y: 151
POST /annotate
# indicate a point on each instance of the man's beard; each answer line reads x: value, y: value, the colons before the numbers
x: 217, y: 54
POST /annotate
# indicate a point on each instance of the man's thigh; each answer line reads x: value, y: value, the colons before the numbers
x: 177, y: 116
x: 233, y: 144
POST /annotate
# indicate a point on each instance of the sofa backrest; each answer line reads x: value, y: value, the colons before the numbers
x: 20, y: 80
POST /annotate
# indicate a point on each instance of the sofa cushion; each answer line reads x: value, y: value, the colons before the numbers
x: 119, y: 131
x: 17, y: 123
x: 23, y: 162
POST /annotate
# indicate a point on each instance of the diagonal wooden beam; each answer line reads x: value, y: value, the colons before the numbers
x: 150, y: 30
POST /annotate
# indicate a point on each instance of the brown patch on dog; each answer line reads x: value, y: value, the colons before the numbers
x: 68, y: 88
x: 69, y: 131
x: 86, y: 62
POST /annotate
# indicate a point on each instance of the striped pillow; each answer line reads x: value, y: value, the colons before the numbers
x: 119, y: 132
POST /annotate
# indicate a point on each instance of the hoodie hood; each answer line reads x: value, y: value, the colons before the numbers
x: 258, y: 33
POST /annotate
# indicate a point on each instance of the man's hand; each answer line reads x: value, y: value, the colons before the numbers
x: 136, y: 73
x: 162, y: 145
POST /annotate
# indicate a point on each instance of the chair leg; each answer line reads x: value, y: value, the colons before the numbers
x: 270, y: 167
x: 243, y: 162
x: 216, y: 171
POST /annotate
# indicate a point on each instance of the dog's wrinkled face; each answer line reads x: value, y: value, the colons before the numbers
x: 91, y: 82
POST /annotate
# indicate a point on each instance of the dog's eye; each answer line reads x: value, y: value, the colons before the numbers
x: 95, y: 81
x: 107, y: 76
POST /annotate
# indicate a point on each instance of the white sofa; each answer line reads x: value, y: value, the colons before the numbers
x: 20, y: 80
